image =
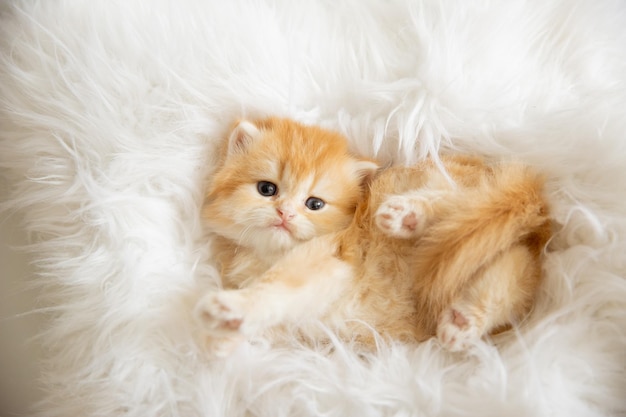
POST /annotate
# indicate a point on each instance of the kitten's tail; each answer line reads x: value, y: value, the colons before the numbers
x: 506, y: 209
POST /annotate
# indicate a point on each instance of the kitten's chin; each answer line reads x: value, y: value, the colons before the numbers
x: 280, y: 239
x: 273, y: 241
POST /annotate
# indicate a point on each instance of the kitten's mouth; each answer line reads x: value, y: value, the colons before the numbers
x: 281, y: 225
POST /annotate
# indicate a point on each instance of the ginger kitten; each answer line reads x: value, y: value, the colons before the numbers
x: 422, y: 257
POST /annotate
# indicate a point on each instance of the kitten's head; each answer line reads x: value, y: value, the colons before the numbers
x: 281, y: 183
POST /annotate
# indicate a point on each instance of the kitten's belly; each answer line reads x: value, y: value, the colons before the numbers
x: 363, y: 314
x: 380, y: 303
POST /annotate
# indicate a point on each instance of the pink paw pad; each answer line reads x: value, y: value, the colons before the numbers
x: 456, y: 331
x: 399, y: 217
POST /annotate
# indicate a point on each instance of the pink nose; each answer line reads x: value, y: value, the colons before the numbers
x: 285, y: 214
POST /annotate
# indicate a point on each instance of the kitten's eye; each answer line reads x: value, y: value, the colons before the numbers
x: 314, y: 203
x: 266, y: 188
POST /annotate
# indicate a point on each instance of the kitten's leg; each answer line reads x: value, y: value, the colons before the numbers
x: 300, y: 286
x: 405, y: 216
x: 500, y: 295
x: 218, y: 339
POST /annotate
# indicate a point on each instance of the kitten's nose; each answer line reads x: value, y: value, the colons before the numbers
x: 285, y: 213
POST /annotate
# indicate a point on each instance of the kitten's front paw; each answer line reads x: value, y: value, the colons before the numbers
x: 457, y: 330
x: 400, y: 216
x: 221, y: 312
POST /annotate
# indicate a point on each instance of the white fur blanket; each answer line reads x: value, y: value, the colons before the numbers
x: 109, y: 112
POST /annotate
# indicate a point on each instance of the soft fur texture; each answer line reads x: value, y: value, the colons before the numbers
x: 452, y: 249
x: 109, y: 111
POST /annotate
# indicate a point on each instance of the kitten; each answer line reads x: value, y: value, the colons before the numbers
x: 423, y: 256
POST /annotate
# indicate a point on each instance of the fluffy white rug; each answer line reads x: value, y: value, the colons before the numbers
x: 109, y: 112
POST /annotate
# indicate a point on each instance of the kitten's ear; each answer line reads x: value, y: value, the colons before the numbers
x: 242, y: 136
x: 366, y: 170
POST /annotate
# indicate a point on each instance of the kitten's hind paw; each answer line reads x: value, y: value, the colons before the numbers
x: 457, y: 330
x: 221, y: 312
x: 401, y: 216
